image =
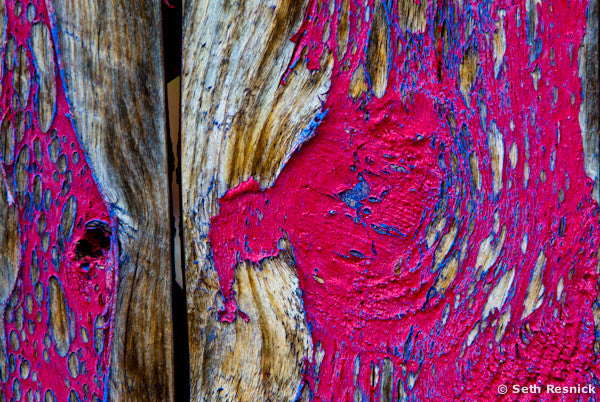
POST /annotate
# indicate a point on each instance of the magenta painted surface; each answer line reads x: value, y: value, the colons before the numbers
x: 357, y: 200
x: 87, y: 277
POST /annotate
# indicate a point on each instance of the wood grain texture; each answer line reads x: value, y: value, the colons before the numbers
x: 239, y: 120
x: 377, y: 51
x: 412, y: 16
x: 9, y: 228
x: 9, y: 265
x: 112, y: 65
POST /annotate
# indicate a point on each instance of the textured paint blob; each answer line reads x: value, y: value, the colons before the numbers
x: 65, y: 285
x: 439, y: 206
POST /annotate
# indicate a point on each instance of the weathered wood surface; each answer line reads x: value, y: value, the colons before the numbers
x: 483, y: 100
x: 9, y: 238
x: 112, y: 60
x: 238, y: 120
x: 59, y: 303
x: 508, y: 250
x: 89, y: 94
x: 9, y: 267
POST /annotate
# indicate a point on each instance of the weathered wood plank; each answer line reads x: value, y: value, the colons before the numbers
x: 240, y: 120
x: 85, y: 257
x: 112, y: 62
x: 59, y: 299
x: 442, y: 220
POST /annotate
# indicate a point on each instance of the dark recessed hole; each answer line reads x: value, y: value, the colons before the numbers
x: 93, y: 244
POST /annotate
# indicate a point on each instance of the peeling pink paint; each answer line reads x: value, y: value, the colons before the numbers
x: 359, y: 199
x: 54, y: 356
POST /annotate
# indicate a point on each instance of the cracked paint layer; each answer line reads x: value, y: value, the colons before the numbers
x: 57, y: 315
x: 433, y: 260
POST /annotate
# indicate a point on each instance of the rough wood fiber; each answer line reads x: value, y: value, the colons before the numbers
x: 9, y: 265
x: 412, y: 16
x: 241, y: 118
x: 111, y: 58
x: 377, y: 51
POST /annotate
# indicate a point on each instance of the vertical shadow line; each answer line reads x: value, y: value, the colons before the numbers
x: 172, y: 43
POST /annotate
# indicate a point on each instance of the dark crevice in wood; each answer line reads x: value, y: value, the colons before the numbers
x: 172, y: 42
x: 171, y: 25
x: 93, y: 244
